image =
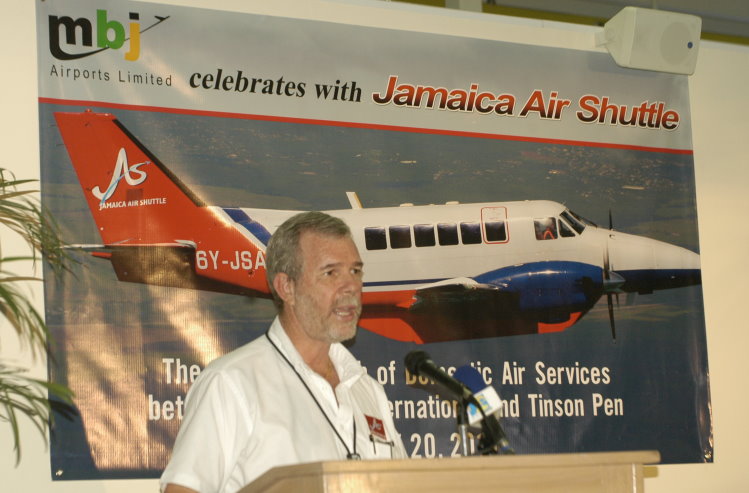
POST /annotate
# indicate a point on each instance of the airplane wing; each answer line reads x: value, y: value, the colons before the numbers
x: 458, y: 290
x: 521, y: 299
x: 457, y: 308
x: 458, y: 283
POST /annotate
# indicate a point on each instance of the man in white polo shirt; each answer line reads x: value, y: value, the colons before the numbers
x: 294, y: 394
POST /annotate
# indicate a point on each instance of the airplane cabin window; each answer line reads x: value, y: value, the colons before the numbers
x: 546, y: 228
x: 424, y: 235
x: 471, y: 233
x: 495, y: 231
x: 400, y: 236
x: 447, y: 234
x: 374, y: 238
x: 565, y: 230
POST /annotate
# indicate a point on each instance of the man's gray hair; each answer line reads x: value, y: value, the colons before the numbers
x: 283, y: 254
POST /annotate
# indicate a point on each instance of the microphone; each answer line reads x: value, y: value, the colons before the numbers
x: 490, y: 404
x: 419, y: 363
x: 485, y: 394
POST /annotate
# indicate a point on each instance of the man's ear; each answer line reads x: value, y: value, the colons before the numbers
x: 284, y: 286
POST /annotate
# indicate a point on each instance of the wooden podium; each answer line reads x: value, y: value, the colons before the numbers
x: 609, y: 472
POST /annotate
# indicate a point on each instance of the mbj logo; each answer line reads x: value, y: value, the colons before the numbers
x: 109, y: 34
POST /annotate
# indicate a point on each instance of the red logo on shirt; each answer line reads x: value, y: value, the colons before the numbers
x: 376, y: 427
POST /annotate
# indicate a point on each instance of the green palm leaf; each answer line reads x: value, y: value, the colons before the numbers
x: 21, y: 395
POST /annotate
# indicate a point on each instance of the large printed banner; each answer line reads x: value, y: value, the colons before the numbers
x: 529, y: 211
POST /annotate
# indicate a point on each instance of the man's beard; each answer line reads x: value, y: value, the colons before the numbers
x: 325, y: 324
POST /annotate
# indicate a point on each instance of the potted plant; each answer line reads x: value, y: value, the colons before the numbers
x: 20, y: 394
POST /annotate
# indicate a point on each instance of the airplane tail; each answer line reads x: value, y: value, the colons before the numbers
x: 134, y: 199
x: 145, y: 214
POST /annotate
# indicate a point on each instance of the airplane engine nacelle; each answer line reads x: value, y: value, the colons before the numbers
x: 550, y: 286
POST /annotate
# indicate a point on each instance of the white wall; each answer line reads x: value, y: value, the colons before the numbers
x: 720, y: 111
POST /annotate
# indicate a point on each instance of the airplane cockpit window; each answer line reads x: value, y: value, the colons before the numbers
x: 424, y: 235
x: 578, y: 222
x: 447, y: 234
x: 565, y: 230
x: 400, y: 236
x: 470, y: 233
x: 495, y: 231
x: 374, y: 238
x: 546, y: 228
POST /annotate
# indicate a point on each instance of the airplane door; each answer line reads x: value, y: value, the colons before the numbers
x: 494, y: 225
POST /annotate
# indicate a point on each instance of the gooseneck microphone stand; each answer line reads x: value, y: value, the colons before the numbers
x: 492, y: 440
x: 463, y: 426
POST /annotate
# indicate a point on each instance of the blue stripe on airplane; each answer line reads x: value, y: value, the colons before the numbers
x: 519, y: 277
x: 254, y: 227
x: 417, y: 282
x: 647, y: 280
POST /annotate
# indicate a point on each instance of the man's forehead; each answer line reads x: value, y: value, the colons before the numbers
x: 324, y: 249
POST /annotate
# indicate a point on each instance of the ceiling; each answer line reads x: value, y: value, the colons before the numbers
x: 722, y: 20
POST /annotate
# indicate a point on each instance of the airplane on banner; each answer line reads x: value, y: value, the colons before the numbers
x: 433, y: 272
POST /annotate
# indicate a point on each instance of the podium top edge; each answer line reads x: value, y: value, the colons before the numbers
x: 645, y: 457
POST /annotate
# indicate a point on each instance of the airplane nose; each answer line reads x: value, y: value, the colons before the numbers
x: 672, y: 257
x: 648, y: 265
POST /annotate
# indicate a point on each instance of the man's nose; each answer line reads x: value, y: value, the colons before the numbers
x: 351, y: 283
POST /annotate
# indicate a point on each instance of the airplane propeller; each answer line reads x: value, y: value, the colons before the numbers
x: 611, y: 282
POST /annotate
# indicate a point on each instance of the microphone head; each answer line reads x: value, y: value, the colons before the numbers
x: 485, y: 395
x: 470, y: 377
x: 414, y: 361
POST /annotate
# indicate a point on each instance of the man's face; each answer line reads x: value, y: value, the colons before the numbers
x: 327, y: 295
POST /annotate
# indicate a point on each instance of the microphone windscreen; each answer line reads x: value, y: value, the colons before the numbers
x: 485, y: 395
x: 415, y: 359
x: 470, y: 377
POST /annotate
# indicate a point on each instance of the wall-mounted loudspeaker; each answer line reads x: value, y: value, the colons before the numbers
x: 652, y: 40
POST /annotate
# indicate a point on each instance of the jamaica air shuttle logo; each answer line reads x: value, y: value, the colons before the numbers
x: 80, y: 34
x: 132, y: 175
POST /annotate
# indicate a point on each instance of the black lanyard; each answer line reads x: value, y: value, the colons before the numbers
x: 349, y: 455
